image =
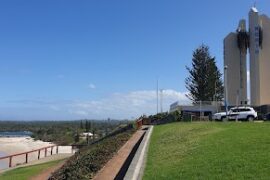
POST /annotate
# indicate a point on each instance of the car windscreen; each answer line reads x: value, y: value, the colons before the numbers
x: 244, y: 110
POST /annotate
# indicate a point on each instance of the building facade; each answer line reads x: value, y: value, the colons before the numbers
x: 259, y: 48
x: 256, y: 41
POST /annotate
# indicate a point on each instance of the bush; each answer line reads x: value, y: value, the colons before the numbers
x: 90, y: 159
x: 163, y: 118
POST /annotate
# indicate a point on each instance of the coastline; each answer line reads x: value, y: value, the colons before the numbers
x: 3, y: 164
x: 14, y: 145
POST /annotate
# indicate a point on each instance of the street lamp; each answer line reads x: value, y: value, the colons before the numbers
x: 226, y: 88
x: 161, y: 100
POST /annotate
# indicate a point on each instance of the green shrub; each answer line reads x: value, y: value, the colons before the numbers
x: 89, y: 160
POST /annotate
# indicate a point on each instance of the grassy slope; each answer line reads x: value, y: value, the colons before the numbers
x: 89, y: 160
x: 24, y: 173
x: 209, y: 151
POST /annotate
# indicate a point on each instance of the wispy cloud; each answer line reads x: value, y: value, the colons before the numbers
x: 92, y: 86
x: 117, y: 105
x: 126, y: 105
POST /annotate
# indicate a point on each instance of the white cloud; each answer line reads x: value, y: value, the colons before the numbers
x: 54, y: 107
x: 127, y: 105
x: 92, y: 86
x: 116, y: 106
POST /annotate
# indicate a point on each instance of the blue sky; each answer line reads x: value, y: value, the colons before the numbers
x: 64, y: 59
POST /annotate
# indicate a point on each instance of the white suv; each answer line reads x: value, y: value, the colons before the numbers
x: 237, y: 113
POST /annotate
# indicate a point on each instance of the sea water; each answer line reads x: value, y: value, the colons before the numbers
x: 15, y: 134
x: 3, y: 163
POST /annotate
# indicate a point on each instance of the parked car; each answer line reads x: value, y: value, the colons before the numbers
x: 266, y: 117
x: 239, y: 113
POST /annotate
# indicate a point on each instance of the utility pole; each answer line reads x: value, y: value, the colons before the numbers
x: 161, y: 100
x: 200, y: 110
x: 215, y: 99
x: 226, y: 89
x: 157, y: 96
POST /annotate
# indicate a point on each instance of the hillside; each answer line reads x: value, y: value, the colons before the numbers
x: 209, y: 151
x: 89, y: 160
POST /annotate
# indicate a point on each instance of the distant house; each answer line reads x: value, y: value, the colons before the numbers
x: 85, y: 134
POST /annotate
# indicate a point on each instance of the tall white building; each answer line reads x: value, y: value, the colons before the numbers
x: 259, y: 34
x: 235, y: 58
x: 257, y: 41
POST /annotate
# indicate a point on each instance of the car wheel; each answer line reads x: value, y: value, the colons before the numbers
x: 250, y: 118
x: 222, y: 118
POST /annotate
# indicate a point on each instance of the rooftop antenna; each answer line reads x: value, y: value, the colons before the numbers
x: 255, y: 4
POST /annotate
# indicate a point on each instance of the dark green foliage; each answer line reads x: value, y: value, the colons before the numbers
x: 77, y: 137
x: 158, y: 116
x: 88, y: 125
x: 94, y: 132
x: 89, y: 160
x: 81, y: 124
x: 59, y: 132
x: 214, y: 88
x: 176, y: 115
x: 204, y: 81
x: 163, y: 118
x: 87, y: 139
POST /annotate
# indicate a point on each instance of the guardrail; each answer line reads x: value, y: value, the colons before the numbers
x: 47, y: 151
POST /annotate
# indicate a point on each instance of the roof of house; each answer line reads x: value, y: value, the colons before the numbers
x: 87, y: 133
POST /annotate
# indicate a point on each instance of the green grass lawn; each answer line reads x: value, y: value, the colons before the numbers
x: 24, y: 173
x: 209, y: 151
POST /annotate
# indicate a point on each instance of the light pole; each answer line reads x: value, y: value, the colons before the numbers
x: 157, y: 95
x: 215, y: 96
x: 226, y: 89
x: 161, y: 100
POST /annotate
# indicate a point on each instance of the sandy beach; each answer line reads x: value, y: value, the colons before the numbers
x: 14, y: 145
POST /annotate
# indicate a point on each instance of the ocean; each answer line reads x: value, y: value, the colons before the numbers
x: 15, y: 134
x: 3, y: 163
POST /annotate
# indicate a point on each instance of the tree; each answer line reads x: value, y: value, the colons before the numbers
x: 204, y: 81
x: 86, y: 126
x: 87, y: 138
x: 94, y: 132
x: 81, y: 125
x: 90, y: 125
x: 77, y: 137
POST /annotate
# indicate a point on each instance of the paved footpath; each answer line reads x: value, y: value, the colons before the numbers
x: 111, y: 169
x: 137, y: 166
